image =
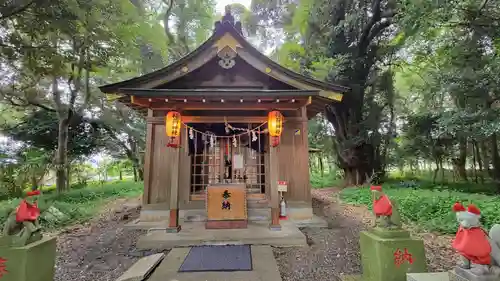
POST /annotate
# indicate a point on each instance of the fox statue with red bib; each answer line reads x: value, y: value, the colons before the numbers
x: 22, y: 226
x: 385, y: 210
x: 479, y: 250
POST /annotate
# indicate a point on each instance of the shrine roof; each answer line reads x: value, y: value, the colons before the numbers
x: 226, y: 35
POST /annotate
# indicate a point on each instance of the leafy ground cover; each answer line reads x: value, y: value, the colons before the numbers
x: 428, y: 206
x: 325, y: 180
x: 78, y: 204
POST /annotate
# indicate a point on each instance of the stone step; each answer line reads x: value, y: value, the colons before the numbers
x: 257, y: 203
x: 434, y: 276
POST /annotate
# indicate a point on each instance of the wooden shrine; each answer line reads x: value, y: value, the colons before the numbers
x: 225, y: 115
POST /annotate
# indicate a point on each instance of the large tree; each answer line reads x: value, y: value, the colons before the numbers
x: 51, y: 66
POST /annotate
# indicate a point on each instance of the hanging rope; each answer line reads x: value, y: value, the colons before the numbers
x: 245, y: 131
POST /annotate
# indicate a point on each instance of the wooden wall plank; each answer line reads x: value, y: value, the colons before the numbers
x: 294, y: 161
x: 161, y: 167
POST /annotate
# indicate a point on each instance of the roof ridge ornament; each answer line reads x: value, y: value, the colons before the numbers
x: 228, y: 17
x: 228, y: 20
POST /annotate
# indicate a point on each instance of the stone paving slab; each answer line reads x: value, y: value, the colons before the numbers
x: 142, y: 268
x: 314, y: 222
x: 265, y: 268
x: 194, y: 233
x: 435, y: 276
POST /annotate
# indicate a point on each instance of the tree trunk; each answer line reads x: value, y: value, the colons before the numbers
x: 360, y: 160
x: 120, y: 174
x: 61, y: 159
x: 474, y: 169
x: 34, y: 182
x: 462, y: 159
x: 134, y: 170
x: 321, y: 167
x: 486, y: 159
x: 495, y: 161
x: 479, y: 161
x: 68, y: 175
x: 140, y: 173
x: 436, y: 170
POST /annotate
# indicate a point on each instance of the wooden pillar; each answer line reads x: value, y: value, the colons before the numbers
x: 148, y: 158
x: 305, y: 150
x: 173, y: 224
x: 273, y: 184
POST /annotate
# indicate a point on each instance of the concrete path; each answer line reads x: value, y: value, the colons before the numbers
x: 264, y: 268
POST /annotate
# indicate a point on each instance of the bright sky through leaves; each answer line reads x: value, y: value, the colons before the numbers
x: 222, y: 3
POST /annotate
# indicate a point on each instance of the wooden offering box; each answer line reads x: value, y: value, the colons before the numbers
x: 226, y: 206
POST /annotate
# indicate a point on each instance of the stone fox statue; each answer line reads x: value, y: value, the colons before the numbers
x: 22, y: 226
x: 385, y: 210
x: 479, y: 250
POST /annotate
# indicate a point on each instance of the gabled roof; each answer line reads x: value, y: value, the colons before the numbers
x: 226, y: 34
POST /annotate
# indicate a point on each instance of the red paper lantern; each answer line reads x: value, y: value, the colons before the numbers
x: 275, y: 141
x: 173, y: 128
x: 173, y: 124
x: 275, y: 123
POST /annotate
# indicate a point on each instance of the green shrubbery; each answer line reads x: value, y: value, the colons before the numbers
x: 326, y: 180
x: 429, y: 206
x: 78, y: 204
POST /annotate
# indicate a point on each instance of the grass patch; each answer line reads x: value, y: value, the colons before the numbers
x: 429, y: 206
x: 327, y: 180
x: 78, y: 204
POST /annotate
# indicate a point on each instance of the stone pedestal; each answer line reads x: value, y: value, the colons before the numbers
x: 34, y: 262
x: 388, y: 255
x: 460, y: 274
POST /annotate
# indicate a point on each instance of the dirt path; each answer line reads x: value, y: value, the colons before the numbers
x: 334, y: 252
x: 99, y: 250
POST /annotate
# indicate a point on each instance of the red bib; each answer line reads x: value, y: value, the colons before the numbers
x: 382, y: 206
x: 27, y: 212
x: 473, y: 244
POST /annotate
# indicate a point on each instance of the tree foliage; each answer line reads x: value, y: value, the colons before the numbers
x: 423, y: 77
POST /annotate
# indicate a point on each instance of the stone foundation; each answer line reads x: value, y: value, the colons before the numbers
x: 235, y: 224
x: 154, y: 215
x: 300, y: 213
x: 157, y: 215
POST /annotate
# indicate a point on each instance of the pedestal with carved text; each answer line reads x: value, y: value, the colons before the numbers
x: 388, y: 255
x: 33, y: 262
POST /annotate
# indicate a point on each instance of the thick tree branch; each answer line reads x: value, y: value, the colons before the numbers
x: 376, y: 16
x: 17, y: 11
x: 27, y: 103
x: 378, y: 28
x: 482, y: 7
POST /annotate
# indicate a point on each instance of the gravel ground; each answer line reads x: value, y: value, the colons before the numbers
x: 99, y: 250
x: 334, y: 251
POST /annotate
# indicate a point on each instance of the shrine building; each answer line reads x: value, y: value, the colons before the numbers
x: 226, y: 128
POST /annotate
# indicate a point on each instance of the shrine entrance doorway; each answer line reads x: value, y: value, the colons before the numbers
x: 223, y: 153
